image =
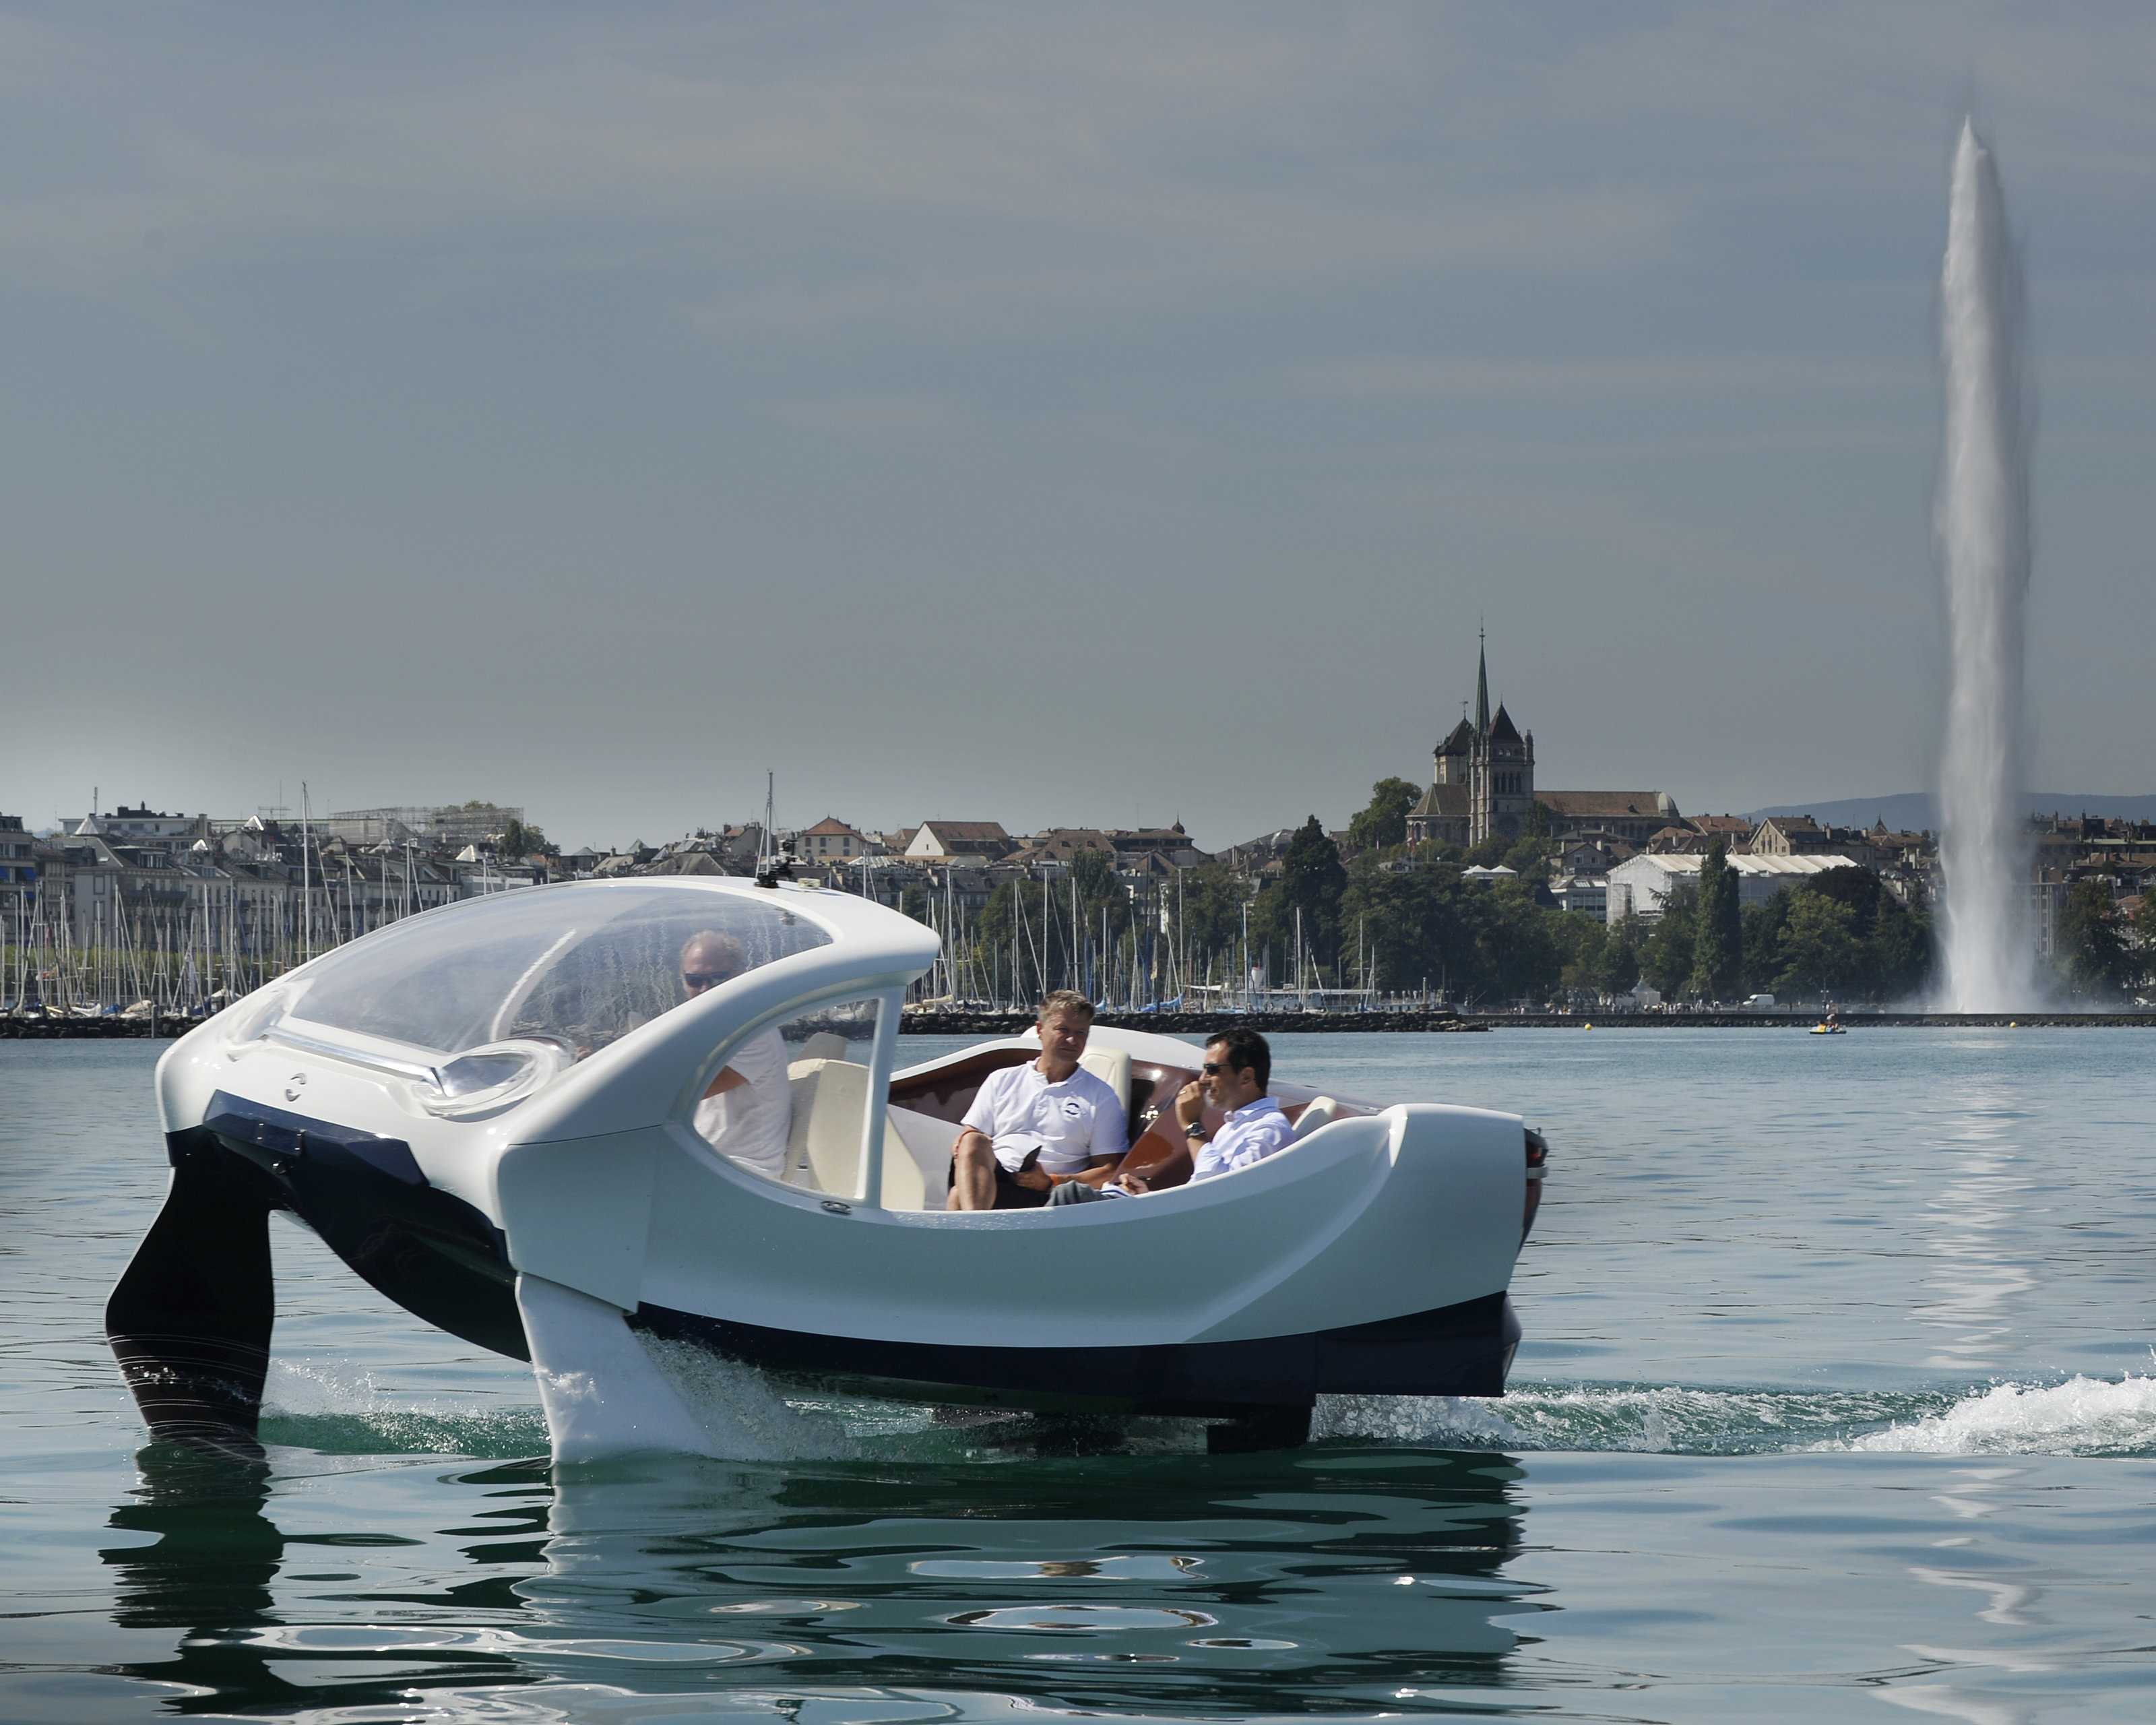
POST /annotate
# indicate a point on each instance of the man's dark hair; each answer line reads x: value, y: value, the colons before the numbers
x: 1242, y: 1047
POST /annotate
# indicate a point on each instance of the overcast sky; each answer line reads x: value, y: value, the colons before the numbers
x: 1083, y: 413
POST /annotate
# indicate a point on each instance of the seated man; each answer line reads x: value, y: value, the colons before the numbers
x: 1238, y: 1064
x: 1033, y: 1125
x: 748, y: 1111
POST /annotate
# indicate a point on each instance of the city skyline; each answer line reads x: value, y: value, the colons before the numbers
x: 1007, y: 418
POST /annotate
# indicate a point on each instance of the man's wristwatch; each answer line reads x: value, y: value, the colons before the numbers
x: 1194, y: 1129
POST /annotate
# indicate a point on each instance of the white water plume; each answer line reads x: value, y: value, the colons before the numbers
x: 1982, y: 524
x: 2083, y: 1416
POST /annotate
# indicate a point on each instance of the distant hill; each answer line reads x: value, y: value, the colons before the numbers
x: 1917, y: 811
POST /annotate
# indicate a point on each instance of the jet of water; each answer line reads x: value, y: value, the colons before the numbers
x: 1982, y: 524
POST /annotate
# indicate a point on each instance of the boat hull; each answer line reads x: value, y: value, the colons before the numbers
x: 1461, y: 1350
x: 195, y: 1360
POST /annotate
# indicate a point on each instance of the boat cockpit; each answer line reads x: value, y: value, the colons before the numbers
x: 521, y: 1012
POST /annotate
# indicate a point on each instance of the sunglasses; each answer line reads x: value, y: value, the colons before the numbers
x: 1213, y: 1068
x: 706, y: 978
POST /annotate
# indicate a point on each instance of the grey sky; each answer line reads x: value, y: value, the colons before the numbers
x: 1089, y: 413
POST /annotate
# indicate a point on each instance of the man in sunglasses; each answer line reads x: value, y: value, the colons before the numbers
x: 1239, y: 1065
x: 748, y: 1111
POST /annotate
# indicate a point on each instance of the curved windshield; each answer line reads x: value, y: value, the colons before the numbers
x: 583, y: 965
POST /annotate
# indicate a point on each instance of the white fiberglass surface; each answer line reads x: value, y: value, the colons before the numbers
x: 582, y: 965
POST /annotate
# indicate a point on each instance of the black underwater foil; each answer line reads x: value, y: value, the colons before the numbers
x: 190, y: 1321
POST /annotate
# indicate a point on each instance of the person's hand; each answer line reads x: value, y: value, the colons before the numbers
x: 1189, y: 1103
x: 1034, y: 1180
x: 1134, y: 1183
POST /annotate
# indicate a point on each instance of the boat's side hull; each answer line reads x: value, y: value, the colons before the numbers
x: 1463, y: 1350
x: 193, y: 1319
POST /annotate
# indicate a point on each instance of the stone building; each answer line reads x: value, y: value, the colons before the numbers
x: 1482, y: 786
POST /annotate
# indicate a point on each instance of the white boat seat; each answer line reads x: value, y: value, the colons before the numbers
x: 823, y: 1045
x: 823, y: 1147
x: 1112, y: 1066
x: 930, y: 1141
x: 1316, y: 1113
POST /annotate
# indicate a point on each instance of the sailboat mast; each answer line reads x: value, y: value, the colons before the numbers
x: 306, y: 883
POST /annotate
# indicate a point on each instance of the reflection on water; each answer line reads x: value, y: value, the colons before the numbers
x: 209, y: 1571
x: 1180, y: 1583
x: 1170, y: 1582
x: 1968, y: 1220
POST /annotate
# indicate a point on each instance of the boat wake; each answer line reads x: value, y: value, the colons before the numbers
x: 2083, y: 1416
x: 749, y: 1420
x: 306, y: 1407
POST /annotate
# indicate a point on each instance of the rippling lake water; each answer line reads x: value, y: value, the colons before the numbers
x: 1836, y: 1402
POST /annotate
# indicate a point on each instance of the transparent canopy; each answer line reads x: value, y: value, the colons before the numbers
x: 580, y: 965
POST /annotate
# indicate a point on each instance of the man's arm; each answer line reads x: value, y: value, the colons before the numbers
x: 727, y: 1080
x: 1110, y: 1143
x: 1095, y: 1174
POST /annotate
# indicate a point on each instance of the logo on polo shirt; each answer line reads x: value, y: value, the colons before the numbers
x: 1072, y: 1107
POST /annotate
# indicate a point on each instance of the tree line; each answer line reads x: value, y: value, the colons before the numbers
x: 1395, y: 918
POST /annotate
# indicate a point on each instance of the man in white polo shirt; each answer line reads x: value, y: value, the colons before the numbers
x: 1033, y: 1126
x: 748, y: 1110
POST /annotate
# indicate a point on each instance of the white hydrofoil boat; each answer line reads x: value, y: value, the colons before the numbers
x: 490, y: 1112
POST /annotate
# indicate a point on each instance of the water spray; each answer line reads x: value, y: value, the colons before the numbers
x: 1982, y: 524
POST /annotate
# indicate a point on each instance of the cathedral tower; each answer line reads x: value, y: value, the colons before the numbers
x: 1500, y: 765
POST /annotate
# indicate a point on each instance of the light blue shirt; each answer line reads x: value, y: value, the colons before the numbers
x: 1251, y: 1133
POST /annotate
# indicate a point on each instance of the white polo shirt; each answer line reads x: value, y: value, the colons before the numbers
x: 751, y: 1123
x: 1072, y: 1123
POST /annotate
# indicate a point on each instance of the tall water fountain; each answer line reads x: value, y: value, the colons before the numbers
x: 1983, y: 520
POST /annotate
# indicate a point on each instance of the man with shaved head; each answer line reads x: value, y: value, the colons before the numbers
x: 748, y: 1111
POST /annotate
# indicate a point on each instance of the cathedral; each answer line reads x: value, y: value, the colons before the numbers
x: 1482, y: 786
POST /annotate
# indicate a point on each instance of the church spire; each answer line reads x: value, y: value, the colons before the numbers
x: 1481, y: 684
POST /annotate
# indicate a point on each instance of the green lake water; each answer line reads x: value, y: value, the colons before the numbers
x: 1836, y: 1402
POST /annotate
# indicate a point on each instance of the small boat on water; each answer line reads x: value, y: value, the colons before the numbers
x: 490, y: 1113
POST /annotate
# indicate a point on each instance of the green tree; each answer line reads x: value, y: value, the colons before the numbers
x: 519, y: 840
x: 1583, y: 943
x: 1529, y: 857
x: 1820, y: 951
x: 1899, y: 954
x: 1518, y: 950
x: 1416, y: 926
x: 2090, y: 946
x: 1666, y: 959
x: 1760, y: 941
x: 1093, y: 879
x: 1621, y: 958
x: 1385, y: 823
x: 1717, y: 961
x: 1209, y: 903
x: 1490, y: 852
x: 1311, y: 881
x: 1393, y: 916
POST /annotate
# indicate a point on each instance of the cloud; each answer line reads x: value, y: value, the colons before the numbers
x: 1407, y: 377
x: 875, y: 416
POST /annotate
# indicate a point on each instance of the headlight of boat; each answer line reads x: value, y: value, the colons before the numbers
x: 483, y: 1079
